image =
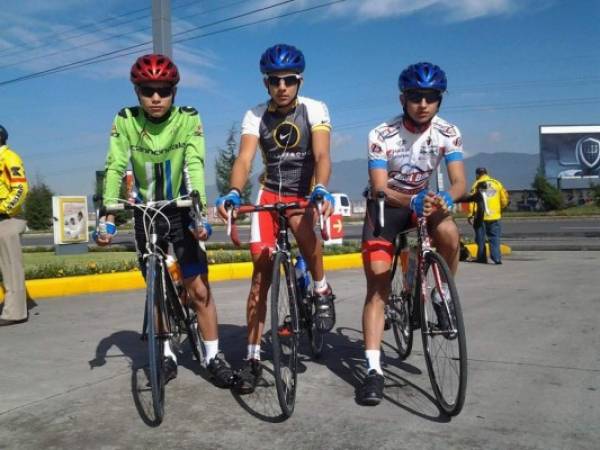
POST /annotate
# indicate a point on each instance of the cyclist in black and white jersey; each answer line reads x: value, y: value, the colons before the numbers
x: 403, y: 155
x: 293, y: 133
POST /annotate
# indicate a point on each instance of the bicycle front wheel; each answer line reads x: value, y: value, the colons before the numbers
x: 284, y: 332
x: 398, y: 311
x: 154, y: 302
x: 443, y: 332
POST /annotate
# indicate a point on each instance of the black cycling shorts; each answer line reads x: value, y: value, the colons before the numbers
x: 190, y: 256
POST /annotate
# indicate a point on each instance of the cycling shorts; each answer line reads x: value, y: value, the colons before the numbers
x: 192, y: 259
x: 396, y: 220
x: 263, y: 224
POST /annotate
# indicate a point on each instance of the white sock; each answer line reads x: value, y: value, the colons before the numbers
x: 373, y: 357
x: 212, y: 348
x: 321, y: 285
x: 168, y: 352
x: 254, y: 351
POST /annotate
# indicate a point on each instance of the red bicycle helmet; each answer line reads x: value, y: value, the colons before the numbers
x: 154, y: 67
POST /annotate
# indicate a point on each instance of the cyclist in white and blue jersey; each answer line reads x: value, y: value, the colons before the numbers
x: 403, y: 155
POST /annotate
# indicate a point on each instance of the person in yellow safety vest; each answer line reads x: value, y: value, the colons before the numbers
x: 13, y: 189
x: 489, y: 199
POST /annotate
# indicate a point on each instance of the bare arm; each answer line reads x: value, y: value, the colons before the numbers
x: 458, y: 180
x: 320, y: 144
x: 241, y: 166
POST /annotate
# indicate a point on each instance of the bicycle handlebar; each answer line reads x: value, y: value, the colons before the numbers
x: 279, y: 207
x: 192, y: 202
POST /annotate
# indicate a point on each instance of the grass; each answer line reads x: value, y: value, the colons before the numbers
x: 46, y: 264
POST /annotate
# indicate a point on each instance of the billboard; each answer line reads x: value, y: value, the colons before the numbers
x: 70, y: 219
x: 570, y: 154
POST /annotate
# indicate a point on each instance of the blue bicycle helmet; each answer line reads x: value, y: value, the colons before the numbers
x: 282, y: 57
x: 422, y: 75
x: 3, y: 135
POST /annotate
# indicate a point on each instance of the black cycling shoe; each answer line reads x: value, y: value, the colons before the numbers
x: 248, y: 376
x: 222, y: 374
x: 324, y: 310
x: 371, y: 391
x: 169, y: 369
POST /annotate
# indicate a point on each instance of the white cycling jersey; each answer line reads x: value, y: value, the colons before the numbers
x: 409, y: 156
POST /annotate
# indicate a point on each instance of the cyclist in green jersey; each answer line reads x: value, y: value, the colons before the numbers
x: 164, y: 145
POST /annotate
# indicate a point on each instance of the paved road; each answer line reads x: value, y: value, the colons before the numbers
x: 512, y: 229
x: 68, y: 376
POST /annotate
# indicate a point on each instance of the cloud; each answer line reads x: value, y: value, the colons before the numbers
x: 448, y: 10
x: 26, y: 48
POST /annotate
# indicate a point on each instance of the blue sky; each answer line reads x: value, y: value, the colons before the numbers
x: 511, y: 64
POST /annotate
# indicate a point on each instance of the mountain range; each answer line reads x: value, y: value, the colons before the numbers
x: 514, y: 170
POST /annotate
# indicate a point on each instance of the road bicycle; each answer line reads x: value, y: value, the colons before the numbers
x: 429, y: 302
x: 293, y: 305
x: 168, y: 316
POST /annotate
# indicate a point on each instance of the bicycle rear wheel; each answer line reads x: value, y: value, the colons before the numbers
x: 194, y: 336
x: 443, y: 332
x: 154, y: 309
x: 398, y: 311
x: 186, y: 322
x: 284, y: 332
x: 315, y: 337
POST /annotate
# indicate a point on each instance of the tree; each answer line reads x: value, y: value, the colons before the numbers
x: 38, y: 207
x: 549, y: 195
x: 224, y: 165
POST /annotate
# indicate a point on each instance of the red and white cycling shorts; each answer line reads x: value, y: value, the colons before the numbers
x: 263, y: 224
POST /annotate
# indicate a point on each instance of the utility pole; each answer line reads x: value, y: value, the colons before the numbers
x: 161, y: 27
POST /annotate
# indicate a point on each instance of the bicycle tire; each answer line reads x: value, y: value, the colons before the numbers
x: 154, y: 300
x: 399, y: 305
x: 445, y: 350
x: 316, y: 338
x: 186, y: 321
x: 284, y: 332
x: 194, y: 336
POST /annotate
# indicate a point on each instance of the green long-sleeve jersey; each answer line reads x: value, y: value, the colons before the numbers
x: 167, y: 158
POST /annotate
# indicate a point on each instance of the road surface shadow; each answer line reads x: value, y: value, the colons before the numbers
x: 344, y: 356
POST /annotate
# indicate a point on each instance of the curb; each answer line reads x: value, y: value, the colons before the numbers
x: 123, y: 281
x: 504, y: 249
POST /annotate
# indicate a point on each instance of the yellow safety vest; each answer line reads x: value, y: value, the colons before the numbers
x: 13, y: 183
x: 495, y: 198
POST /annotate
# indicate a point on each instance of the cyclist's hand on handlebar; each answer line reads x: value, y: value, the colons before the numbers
x: 203, y: 232
x: 423, y: 203
x: 232, y: 199
x: 444, y: 200
x: 321, y: 194
x: 104, y: 232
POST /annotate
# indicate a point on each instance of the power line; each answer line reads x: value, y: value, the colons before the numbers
x: 111, y: 37
x: 118, y: 53
x: 50, y: 37
x: 17, y: 49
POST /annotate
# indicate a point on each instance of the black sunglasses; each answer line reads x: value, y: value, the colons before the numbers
x: 148, y: 91
x: 288, y: 80
x: 417, y: 96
